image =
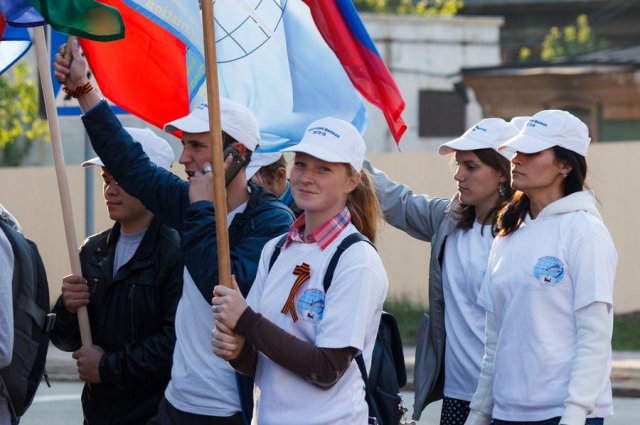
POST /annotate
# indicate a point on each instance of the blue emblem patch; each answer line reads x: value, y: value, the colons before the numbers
x: 311, y: 305
x: 549, y: 271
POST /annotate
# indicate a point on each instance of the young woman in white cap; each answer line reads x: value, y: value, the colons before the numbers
x: 548, y: 288
x: 461, y: 231
x: 297, y: 340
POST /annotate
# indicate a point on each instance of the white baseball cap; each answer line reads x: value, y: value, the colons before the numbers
x: 259, y: 160
x: 236, y: 120
x: 489, y: 133
x: 332, y: 140
x: 156, y: 148
x: 520, y: 121
x: 550, y: 128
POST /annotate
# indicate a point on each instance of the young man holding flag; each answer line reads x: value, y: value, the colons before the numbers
x: 131, y: 281
x: 203, y: 388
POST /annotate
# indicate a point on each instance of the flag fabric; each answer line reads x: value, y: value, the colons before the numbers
x: 145, y: 72
x: 343, y: 30
x: 83, y: 18
x: 271, y: 58
x: 20, y: 13
x: 14, y: 43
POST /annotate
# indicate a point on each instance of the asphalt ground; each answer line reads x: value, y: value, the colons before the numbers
x: 625, y: 375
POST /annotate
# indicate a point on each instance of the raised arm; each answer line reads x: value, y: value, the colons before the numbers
x: 418, y: 215
x: 161, y: 192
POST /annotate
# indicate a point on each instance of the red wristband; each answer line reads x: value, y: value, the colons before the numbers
x: 79, y: 91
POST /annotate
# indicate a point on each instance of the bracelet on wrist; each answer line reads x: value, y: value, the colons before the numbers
x: 79, y: 91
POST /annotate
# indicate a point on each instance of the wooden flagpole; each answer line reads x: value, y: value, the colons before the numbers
x: 219, y: 189
x: 44, y: 70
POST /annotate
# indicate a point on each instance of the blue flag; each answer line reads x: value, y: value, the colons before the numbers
x: 271, y: 58
x: 13, y: 45
x: 19, y: 13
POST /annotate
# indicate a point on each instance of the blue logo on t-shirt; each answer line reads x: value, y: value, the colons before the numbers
x: 311, y: 305
x: 549, y: 270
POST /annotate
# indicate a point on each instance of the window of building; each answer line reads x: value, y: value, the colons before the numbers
x: 441, y: 113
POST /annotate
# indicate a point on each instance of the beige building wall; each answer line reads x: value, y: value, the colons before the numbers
x: 32, y: 195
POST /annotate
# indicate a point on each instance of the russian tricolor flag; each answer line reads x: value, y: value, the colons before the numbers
x: 344, y: 32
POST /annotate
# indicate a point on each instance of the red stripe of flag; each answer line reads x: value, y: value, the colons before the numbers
x: 342, y: 29
x: 3, y: 23
x: 145, y: 73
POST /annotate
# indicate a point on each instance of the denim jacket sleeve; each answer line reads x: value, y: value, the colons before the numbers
x: 418, y: 215
x: 246, y: 241
x: 161, y: 191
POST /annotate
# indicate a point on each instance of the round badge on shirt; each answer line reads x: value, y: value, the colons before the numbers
x: 549, y: 271
x: 311, y: 305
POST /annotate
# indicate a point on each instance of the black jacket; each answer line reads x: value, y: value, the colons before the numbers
x: 132, y: 319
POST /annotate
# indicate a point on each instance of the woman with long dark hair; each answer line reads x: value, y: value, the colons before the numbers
x: 548, y: 288
x: 461, y: 230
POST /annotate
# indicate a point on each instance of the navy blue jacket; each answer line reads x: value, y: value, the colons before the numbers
x: 167, y: 196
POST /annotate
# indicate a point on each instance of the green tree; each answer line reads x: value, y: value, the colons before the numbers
x: 411, y: 7
x: 573, y: 40
x: 20, y: 125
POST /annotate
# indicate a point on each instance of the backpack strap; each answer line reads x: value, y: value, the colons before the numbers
x: 333, y: 263
x: 276, y: 251
x: 326, y: 283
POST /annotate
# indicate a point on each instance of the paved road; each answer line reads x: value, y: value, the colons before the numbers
x: 60, y: 405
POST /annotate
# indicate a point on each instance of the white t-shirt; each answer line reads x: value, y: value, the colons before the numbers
x: 537, y: 277
x: 201, y: 382
x: 465, y: 261
x: 348, y: 316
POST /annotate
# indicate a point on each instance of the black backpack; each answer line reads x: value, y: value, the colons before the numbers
x: 31, y: 324
x: 388, y: 373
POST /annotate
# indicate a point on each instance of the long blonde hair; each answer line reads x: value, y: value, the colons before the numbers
x: 363, y: 205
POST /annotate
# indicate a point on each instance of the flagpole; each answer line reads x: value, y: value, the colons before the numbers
x: 42, y: 55
x: 213, y: 99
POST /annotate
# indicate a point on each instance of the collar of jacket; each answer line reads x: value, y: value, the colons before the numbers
x: 146, y: 245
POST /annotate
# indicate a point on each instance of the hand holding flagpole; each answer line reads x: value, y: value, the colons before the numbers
x: 219, y: 190
x: 61, y: 173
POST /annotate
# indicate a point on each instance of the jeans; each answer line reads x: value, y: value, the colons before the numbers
x: 552, y: 421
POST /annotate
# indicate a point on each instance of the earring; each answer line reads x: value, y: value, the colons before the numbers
x: 502, y: 190
x: 565, y: 174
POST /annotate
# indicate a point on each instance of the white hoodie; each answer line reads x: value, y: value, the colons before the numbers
x: 548, y: 292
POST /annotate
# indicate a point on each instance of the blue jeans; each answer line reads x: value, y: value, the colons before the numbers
x: 552, y: 421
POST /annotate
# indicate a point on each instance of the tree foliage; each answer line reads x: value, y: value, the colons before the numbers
x: 20, y: 125
x: 573, y: 40
x: 411, y: 7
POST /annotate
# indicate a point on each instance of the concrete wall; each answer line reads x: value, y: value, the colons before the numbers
x: 428, y: 53
x: 32, y: 195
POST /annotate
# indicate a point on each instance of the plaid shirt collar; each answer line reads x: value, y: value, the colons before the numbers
x: 323, y: 235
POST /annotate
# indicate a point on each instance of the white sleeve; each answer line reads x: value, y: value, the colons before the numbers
x: 594, y: 331
x: 482, y: 401
x: 6, y: 301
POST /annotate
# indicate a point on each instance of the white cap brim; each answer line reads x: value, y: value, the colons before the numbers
x: 92, y: 162
x: 189, y: 124
x: 525, y: 144
x: 466, y: 144
x: 317, y: 151
x: 461, y: 144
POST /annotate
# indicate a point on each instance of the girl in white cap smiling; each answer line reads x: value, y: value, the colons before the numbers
x: 460, y: 231
x: 298, y: 341
x: 548, y: 288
